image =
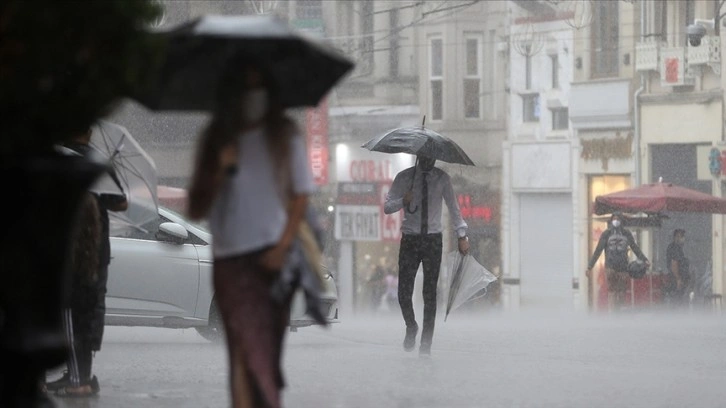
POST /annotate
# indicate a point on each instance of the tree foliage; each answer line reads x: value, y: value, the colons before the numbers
x: 64, y: 64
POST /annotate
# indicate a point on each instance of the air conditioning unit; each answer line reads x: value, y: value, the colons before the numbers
x: 707, y: 53
x: 646, y: 56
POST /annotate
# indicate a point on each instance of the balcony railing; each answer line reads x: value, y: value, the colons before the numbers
x: 679, y: 65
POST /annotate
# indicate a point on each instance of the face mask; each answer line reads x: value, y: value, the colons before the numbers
x: 616, y: 223
x: 255, y: 105
x: 426, y: 164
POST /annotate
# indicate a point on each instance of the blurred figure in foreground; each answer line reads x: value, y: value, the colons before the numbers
x: 616, y: 242
x: 89, y: 327
x: 252, y: 180
x: 78, y: 318
x: 426, y: 187
x: 679, y: 274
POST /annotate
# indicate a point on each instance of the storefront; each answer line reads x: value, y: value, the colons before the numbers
x: 538, y: 229
x: 367, y: 239
x: 666, y: 126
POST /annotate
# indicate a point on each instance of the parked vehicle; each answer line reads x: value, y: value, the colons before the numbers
x: 161, y: 276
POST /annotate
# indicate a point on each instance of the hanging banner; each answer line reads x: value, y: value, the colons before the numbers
x: 316, y: 126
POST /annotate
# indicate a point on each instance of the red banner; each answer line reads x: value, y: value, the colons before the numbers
x: 316, y: 126
x: 671, y: 70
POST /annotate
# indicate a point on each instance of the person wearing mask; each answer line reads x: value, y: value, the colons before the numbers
x: 251, y: 181
x: 420, y: 192
x: 616, y: 241
x: 678, y: 267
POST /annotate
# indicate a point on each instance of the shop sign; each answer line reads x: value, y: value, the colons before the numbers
x: 358, y: 222
x: 717, y: 162
x: 357, y: 165
x: 316, y: 124
x: 711, y: 162
x: 352, y: 196
x: 471, y: 211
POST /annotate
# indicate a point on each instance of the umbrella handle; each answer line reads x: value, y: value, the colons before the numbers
x: 410, y: 211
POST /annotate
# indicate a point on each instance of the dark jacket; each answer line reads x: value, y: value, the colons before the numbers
x: 84, y: 269
x: 602, y: 243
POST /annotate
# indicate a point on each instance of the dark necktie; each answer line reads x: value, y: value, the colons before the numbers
x: 425, y: 206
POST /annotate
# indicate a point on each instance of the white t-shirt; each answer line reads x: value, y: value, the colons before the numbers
x: 248, y: 213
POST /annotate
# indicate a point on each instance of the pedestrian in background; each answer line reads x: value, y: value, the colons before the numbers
x: 678, y: 267
x: 426, y: 188
x: 616, y: 242
x: 252, y: 180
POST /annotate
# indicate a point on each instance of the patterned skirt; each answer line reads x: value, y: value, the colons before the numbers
x: 255, y: 325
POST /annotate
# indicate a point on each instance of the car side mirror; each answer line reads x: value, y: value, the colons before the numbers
x: 172, y: 232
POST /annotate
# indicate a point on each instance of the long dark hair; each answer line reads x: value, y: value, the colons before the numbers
x: 224, y: 129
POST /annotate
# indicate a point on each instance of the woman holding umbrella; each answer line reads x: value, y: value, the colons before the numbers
x: 252, y: 180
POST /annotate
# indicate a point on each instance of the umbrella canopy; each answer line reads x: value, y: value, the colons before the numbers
x: 419, y: 141
x: 467, y: 280
x: 302, y: 69
x: 135, y: 171
x: 659, y: 197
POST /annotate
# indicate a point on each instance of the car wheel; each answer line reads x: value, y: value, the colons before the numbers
x: 214, y: 331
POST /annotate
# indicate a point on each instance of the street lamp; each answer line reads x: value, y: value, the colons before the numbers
x: 528, y: 42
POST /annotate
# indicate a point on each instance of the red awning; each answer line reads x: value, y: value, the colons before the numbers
x: 659, y: 197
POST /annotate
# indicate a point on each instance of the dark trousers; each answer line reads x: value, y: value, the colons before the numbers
x: 417, y: 249
x: 80, y: 354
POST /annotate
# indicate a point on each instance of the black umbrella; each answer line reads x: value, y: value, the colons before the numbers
x: 302, y: 69
x: 419, y: 141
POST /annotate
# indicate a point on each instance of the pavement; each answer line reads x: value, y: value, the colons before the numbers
x: 486, y: 360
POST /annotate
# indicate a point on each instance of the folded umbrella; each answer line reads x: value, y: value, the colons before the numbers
x: 302, y: 69
x: 468, y: 278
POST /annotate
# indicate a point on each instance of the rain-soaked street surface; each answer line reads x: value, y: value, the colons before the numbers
x: 495, y: 360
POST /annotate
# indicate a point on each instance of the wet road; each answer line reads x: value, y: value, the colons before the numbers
x: 496, y: 360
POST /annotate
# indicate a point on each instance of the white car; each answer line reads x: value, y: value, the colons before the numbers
x: 162, y: 277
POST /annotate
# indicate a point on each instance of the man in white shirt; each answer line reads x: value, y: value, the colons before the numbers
x: 420, y: 191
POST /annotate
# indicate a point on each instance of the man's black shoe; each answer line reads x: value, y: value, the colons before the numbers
x: 424, y: 351
x: 64, y: 381
x: 409, y: 342
x: 95, y: 386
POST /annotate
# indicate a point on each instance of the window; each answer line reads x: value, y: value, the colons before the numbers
x: 393, y: 43
x: 560, y: 118
x: 490, y: 75
x: 309, y: 9
x: 436, y: 77
x: 555, y: 71
x: 605, y: 26
x: 472, y: 78
x: 530, y: 104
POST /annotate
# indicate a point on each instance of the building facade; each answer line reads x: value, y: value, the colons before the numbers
x: 681, y: 121
x: 540, y: 161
